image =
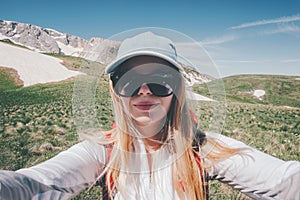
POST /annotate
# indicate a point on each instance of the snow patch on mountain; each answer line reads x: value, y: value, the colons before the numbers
x: 259, y: 94
x: 69, y: 50
x: 32, y: 67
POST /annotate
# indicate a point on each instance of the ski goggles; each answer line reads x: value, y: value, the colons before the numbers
x: 161, y: 84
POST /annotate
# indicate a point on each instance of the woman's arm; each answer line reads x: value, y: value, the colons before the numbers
x: 61, y: 177
x: 256, y: 174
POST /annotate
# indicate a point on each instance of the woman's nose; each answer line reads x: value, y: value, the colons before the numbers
x: 144, y: 90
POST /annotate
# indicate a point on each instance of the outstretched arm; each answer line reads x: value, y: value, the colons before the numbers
x: 61, y: 177
x: 256, y: 174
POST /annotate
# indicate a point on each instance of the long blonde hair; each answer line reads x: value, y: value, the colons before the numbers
x: 188, y: 169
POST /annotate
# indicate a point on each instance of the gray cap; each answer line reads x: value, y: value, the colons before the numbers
x: 145, y: 44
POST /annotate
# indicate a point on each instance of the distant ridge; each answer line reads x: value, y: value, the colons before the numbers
x: 45, y: 40
x: 51, y: 41
x: 273, y: 90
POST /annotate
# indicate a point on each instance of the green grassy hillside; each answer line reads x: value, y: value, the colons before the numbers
x: 279, y: 90
x: 37, y: 121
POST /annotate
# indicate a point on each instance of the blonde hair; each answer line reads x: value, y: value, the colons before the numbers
x: 188, y: 169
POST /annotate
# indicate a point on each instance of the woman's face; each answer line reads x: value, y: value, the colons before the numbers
x: 152, y: 85
x: 145, y: 108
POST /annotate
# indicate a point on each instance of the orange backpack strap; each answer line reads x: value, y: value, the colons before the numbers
x: 108, y: 149
x: 105, y: 193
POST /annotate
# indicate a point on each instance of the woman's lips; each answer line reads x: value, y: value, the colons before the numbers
x: 145, y: 105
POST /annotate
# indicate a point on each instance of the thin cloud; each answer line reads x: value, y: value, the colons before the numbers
x: 258, y: 61
x: 291, y: 61
x: 283, y: 29
x: 242, y: 61
x: 271, y: 21
x: 219, y: 40
x: 236, y: 61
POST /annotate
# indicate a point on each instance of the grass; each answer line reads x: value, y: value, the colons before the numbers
x: 31, y: 117
x: 9, y: 79
x: 38, y: 122
x: 74, y: 63
x: 280, y: 90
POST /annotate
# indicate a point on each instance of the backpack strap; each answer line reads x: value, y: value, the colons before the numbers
x: 105, y: 193
x: 108, y: 149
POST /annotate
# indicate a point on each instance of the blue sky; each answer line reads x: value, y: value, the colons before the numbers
x: 242, y: 37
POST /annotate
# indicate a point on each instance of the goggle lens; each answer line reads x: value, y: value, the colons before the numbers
x: 160, y: 85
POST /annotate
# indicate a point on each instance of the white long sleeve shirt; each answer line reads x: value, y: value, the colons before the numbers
x: 256, y: 174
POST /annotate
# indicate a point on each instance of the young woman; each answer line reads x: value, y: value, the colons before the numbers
x: 155, y: 150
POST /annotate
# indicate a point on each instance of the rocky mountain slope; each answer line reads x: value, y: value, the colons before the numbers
x: 46, y: 40
x: 51, y: 41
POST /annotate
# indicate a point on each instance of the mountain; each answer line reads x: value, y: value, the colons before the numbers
x: 45, y: 40
x: 51, y: 41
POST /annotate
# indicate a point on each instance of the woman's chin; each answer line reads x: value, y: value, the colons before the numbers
x: 148, y: 121
x: 143, y: 120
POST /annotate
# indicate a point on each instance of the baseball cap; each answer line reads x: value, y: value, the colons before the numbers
x: 145, y: 44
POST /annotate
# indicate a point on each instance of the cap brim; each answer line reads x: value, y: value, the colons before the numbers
x: 163, y: 55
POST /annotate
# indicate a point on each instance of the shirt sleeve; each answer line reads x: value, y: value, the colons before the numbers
x: 60, y: 177
x: 256, y: 174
